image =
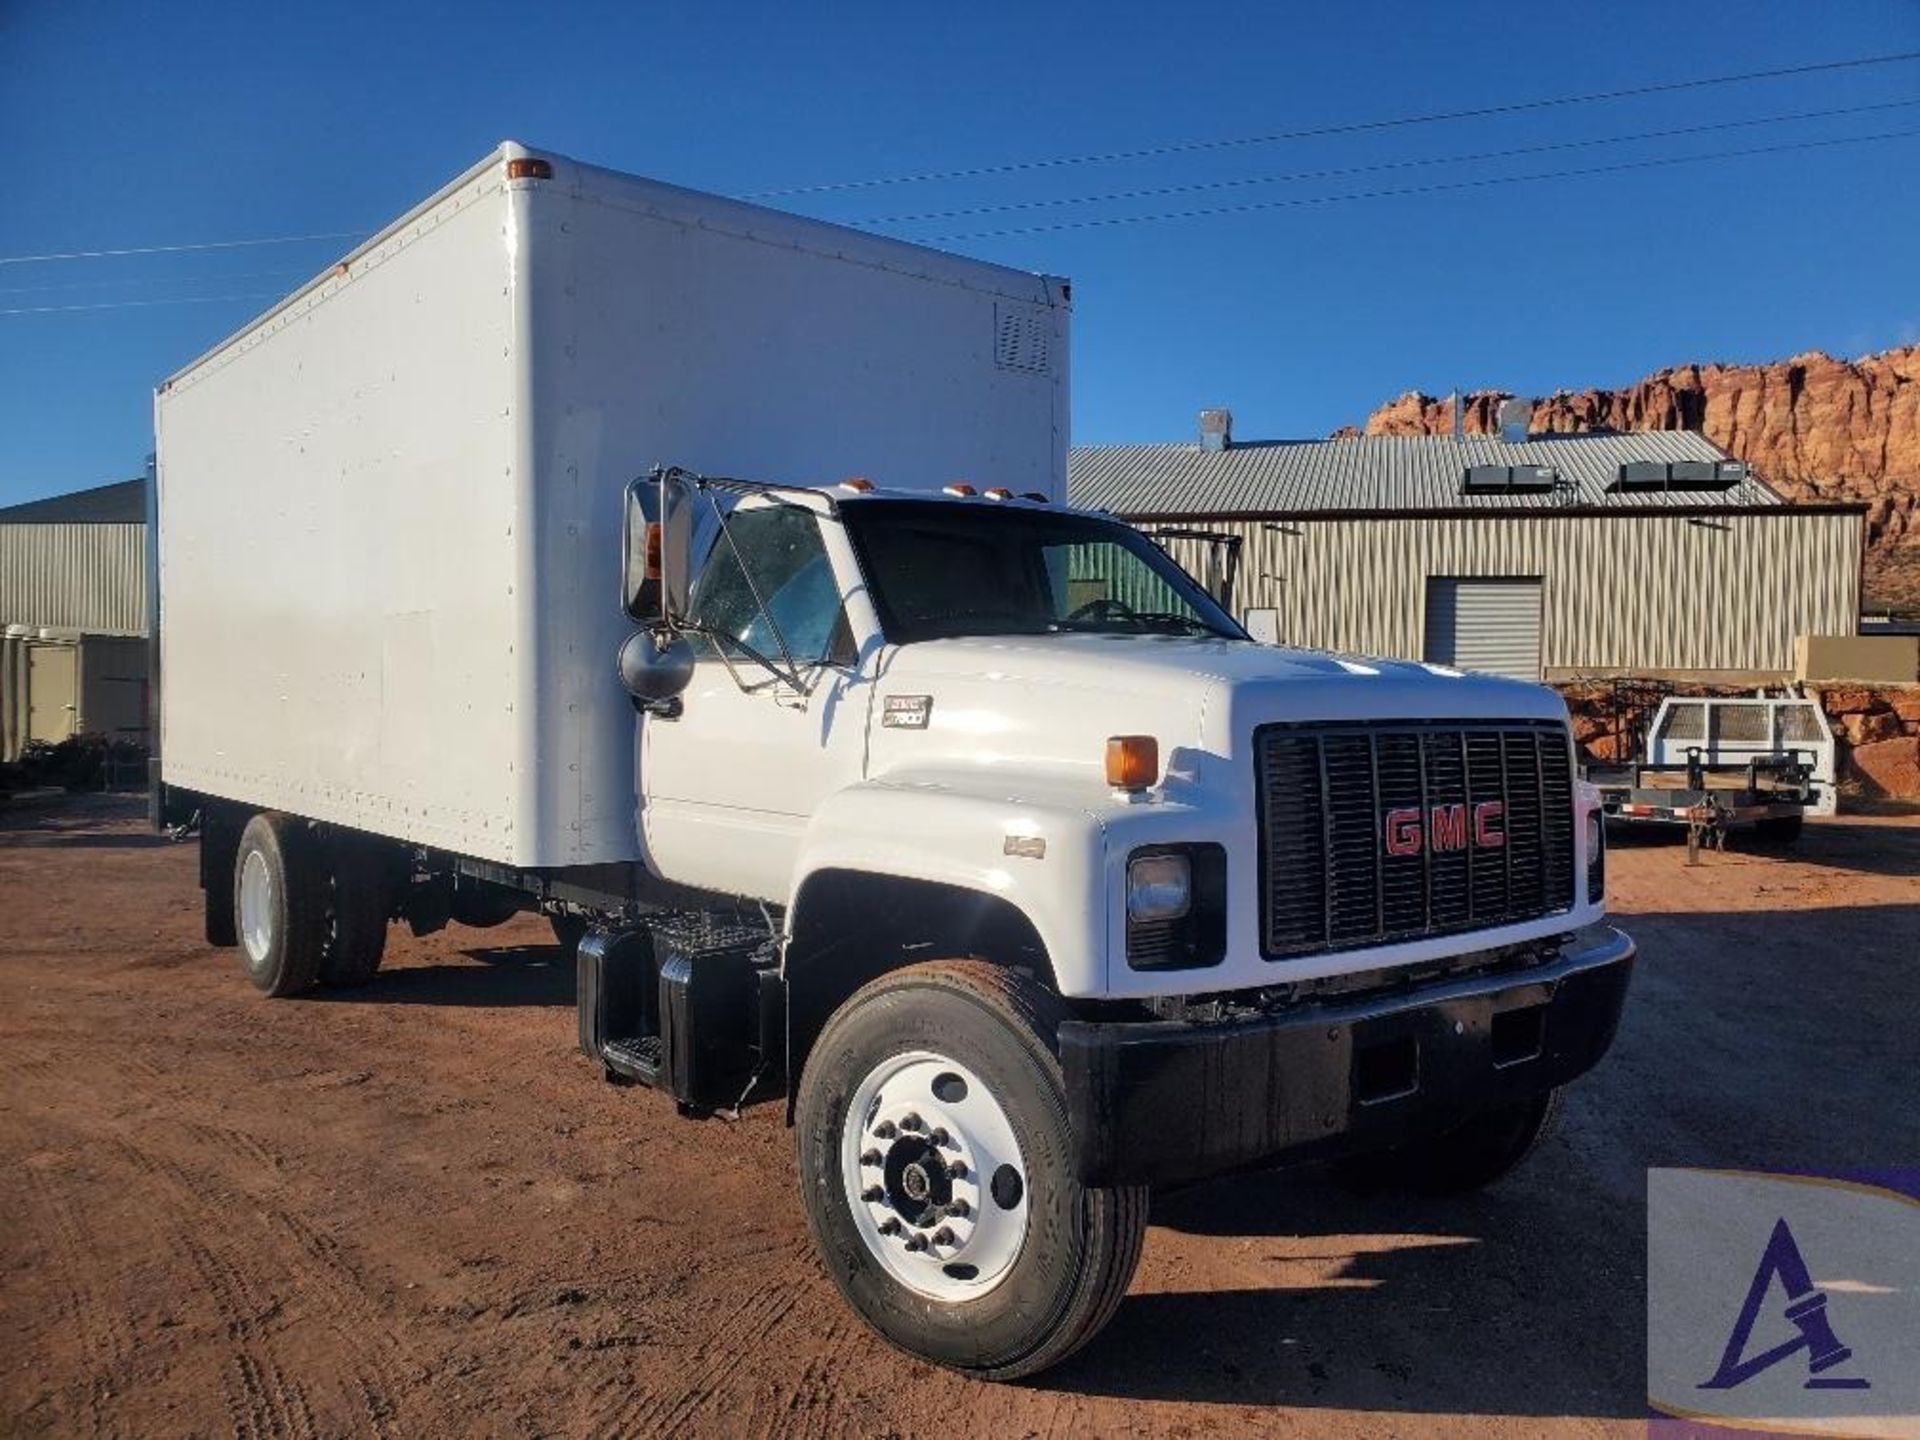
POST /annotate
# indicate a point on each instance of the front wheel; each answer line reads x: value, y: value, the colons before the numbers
x: 937, y: 1173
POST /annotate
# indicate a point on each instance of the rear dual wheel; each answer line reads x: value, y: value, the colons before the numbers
x: 937, y: 1173
x: 279, y: 904
x: 308, y: 908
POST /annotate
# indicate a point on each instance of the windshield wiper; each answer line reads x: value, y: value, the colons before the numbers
x: 1147, y: 621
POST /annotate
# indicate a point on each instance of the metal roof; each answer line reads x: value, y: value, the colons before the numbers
x: 1386, y: 473
x: 122, y: 503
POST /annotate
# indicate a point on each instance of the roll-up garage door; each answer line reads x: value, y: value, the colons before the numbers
x: 1485, y: 623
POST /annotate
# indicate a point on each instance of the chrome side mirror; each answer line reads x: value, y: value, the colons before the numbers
x: 655, y: 666
x: 657, y: 546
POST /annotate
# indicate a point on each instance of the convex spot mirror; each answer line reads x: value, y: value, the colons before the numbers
x: 657, y: 547
x: 655, y: 665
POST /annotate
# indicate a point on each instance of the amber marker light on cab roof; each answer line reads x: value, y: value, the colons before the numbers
x: 859, y: 484
x: 1133, y: 761
x: 960, y: 488
x: 528, y: 168
x: 999, y: 492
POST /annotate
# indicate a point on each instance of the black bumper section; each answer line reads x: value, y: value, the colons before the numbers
x: 1163, y: 1102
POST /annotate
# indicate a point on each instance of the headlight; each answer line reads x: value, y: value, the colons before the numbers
x: 1596, y: 857
x: 1177, y: 906
x: 1159, y: 887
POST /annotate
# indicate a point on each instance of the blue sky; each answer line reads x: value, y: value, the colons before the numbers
x: 130, y: 125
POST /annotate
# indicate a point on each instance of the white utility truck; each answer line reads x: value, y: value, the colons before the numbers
x: 698, y: 576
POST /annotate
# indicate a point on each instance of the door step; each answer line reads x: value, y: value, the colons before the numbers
x: 636, y: 1057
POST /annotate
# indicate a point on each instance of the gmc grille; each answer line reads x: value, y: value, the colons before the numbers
x: 1327, y: 878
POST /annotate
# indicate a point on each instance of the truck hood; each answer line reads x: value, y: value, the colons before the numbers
x: 1051, y: 700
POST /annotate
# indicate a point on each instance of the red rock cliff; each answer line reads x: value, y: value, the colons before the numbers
x: 1815, y: 428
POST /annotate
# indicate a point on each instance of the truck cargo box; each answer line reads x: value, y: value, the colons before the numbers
x: 390, y: 509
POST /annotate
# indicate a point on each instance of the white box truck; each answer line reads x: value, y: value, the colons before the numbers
x: 698, y: 576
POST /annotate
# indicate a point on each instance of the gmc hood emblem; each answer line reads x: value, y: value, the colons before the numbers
x: 1445, y: 827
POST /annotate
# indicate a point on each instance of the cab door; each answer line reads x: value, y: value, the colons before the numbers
x: 775, y: 718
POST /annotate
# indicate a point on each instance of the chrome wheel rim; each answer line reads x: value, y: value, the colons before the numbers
x: 934, y: 1176
x: 256, y: 906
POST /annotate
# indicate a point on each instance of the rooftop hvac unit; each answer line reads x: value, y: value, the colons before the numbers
x: 1509, y: 480
x: 1641, y: 475
x: 1680, y: 475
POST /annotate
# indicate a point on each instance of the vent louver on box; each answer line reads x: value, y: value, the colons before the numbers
x: 1021, y: 342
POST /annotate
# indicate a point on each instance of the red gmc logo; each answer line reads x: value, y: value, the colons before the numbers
x: 1446, y: 828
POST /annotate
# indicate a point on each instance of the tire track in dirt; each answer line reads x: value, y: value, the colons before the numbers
x: 814, y: 1407
x: 262, y: 1399
x: 735, y: 1335
x: 106, y: 1340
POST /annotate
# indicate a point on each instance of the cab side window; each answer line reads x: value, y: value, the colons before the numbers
x: 786, y: 562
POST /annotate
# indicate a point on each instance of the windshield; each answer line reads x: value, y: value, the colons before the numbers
x: 939, y: 570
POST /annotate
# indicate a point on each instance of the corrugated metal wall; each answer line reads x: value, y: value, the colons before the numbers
x: 1624, y: 592
x: 90, y: 578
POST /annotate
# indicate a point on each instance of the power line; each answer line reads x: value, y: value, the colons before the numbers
x: 181, y: 249
x: 224, y: 278
x: 1173, y: 148
x: 1356, y: 127
x: 1160, y: 191
x: 139, y: 304
x: 1435, y: 189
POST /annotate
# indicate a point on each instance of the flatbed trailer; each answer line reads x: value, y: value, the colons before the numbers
x: 1769, y: 794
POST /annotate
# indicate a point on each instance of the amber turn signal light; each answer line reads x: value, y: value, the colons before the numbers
x: 1133, y: 761
x: 528, y: 168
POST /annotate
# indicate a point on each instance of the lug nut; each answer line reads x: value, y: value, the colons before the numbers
x: 884, y: 1130
x: 939, y: 1136
x: 873, y: 1194
x: 943, y: 1236
x: 916, y: 1242
x: 957, y: 1169
x: 890, y: 1225
x: 959, y: 1207
x: 870, y: 1157
x: 910, y: 1122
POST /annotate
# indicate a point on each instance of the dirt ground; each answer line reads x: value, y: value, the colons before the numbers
x: 417, y: 1210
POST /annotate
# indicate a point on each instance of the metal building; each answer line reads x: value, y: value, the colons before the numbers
x: 73, y: 617
x: 1541, y: 556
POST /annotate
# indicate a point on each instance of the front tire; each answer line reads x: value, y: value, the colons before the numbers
x: 280, y: 888
x: 936, y: 1167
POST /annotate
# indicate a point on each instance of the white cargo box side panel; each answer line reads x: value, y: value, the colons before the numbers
x: 341, y: 536
x: 672, y: 327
